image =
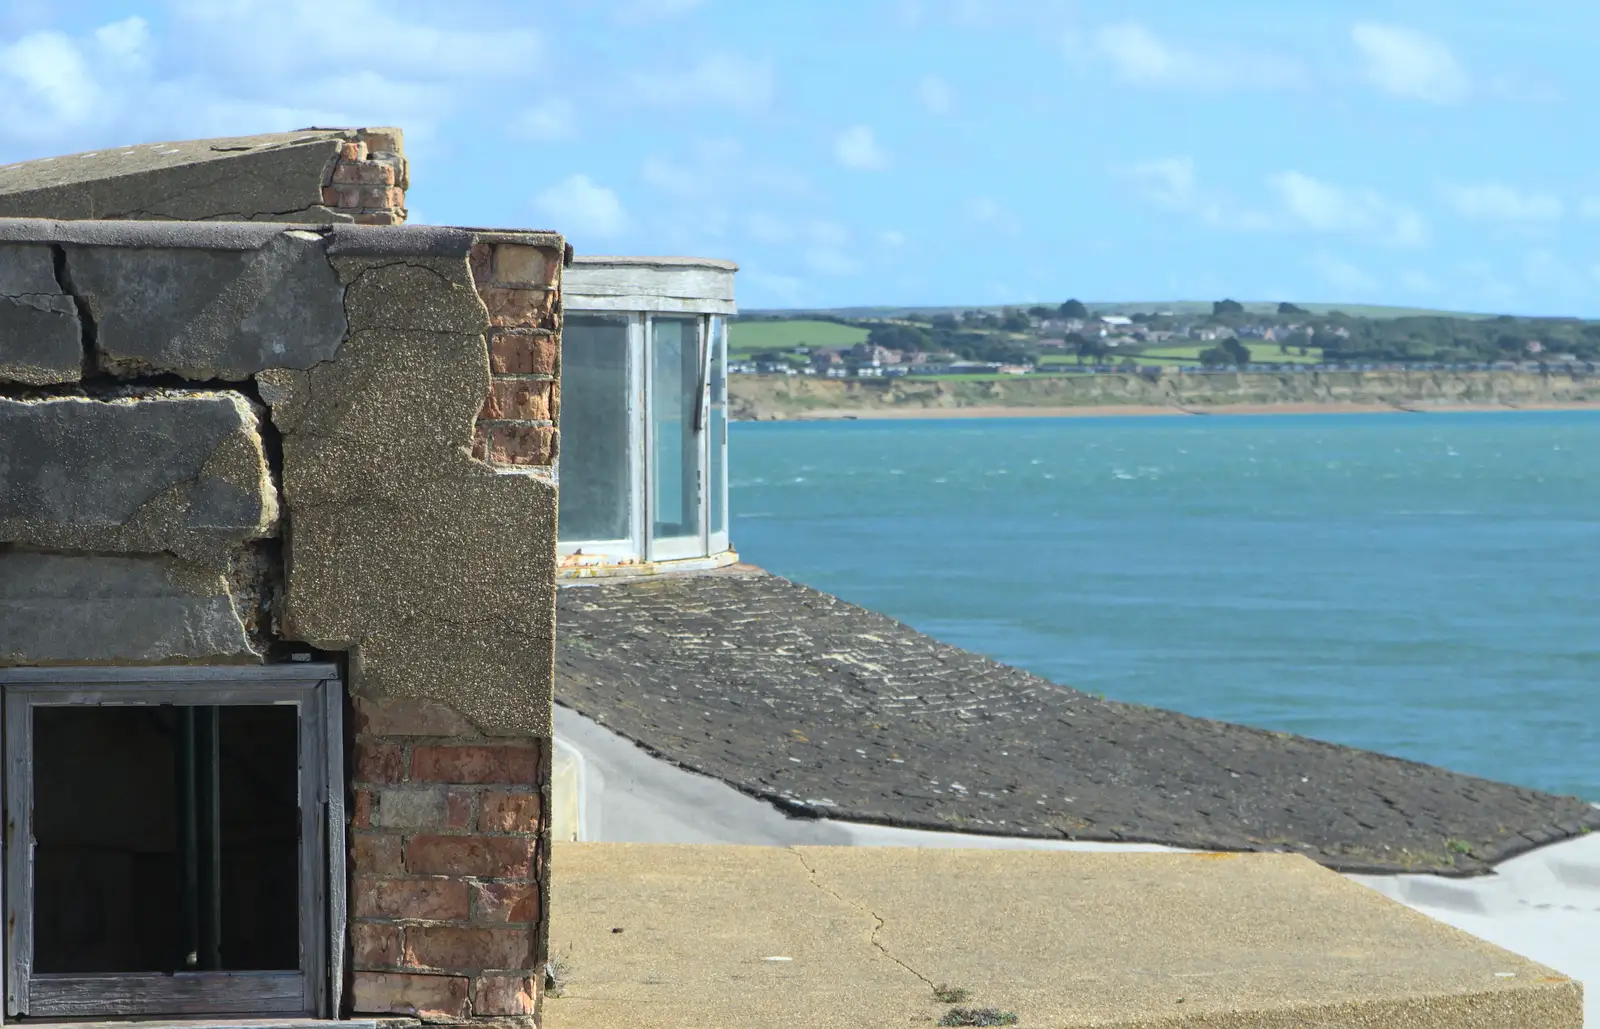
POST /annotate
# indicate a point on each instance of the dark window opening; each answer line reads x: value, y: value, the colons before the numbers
x: 167, y: 839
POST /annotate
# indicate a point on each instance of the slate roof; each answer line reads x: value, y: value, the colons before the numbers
x: 827, y: 709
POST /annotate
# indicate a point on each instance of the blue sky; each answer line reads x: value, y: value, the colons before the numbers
x: 918, y: 152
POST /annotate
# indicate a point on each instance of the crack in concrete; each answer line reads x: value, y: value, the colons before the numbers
x: 88, y: 328
x: 878, y: 923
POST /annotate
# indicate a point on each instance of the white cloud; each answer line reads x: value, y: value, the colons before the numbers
x: 243, y: 66
x: 935, y: 95
x: 1409, y: 64
x: 1497, y: 202
x: 857, y: 148
x: 1326, y: 207
x: 1170, y: 182
x: 647, y: 12
x: 1344, y: 276
x: 718, y: 80
x: 548, y: 121
x: 1141, y: 58
x: 579, y: 206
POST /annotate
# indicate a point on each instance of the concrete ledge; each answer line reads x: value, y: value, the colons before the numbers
x: 678, y: 936
x: 567, y: 800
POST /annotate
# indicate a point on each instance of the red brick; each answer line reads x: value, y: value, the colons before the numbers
x: 476, y: 764
x: 361, y: 810
x: 353, y: 152
x: 459, y: 808
x: 491, y: 857
x: 518, y: 399
x: 516, y: 353
x: 377, y: 853
x: 409, y: 716
x: 363, y: 173
x: 514, y: 444
x: 379, y: 762
x: 529, y: 308
x: 330, y: 195
x: 511, y: 812
x: 379, y: 196
x: 440, y: 900
x: 375, y: 945
x: 505, y: 995
x: 460, y: 947
x: 525, y: 265
x: 421, y: 996
x: 349, y: 197
x: 506, y: 902
x: 378, y: 218
x: 387, y: 140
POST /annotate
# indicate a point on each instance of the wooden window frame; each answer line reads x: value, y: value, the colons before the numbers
x: 311, y: 991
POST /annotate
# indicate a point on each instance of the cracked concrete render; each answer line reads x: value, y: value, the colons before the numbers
x: 277, y: 176
x: 877, y: 919
x: 433, y: 569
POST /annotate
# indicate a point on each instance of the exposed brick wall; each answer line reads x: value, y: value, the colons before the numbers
x: 448, y: 851
x: 370, y: 179
x: 521, y: 287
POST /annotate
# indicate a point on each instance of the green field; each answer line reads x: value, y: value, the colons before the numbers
x: 746, y: 338
x: 1261, y: 353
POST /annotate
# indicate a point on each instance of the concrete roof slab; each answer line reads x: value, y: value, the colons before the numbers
x: 665, y: 936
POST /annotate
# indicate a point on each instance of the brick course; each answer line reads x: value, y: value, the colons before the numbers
x: 520, y: 287
x: 448, y: 856
x: 369, y: 180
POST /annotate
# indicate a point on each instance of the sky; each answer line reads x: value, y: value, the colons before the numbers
x: 1428, y: 153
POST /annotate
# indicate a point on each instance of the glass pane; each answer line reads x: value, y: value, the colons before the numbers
x: 133, y: 873
x: 674, y: 398
x: 595, y: 475
x: 718, y: 426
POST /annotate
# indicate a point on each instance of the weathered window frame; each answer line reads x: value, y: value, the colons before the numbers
x: 314, y: 989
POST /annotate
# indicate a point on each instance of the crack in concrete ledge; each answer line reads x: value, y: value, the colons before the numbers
x: 878, y: 923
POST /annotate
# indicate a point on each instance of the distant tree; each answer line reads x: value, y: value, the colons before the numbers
x: 1039, y: 311
x: 944, y: 321
x: 895, y: 336
x: 1237, y: 352
x: 1288, y: 308
x: 1215, y: 357
x: 1015, y: 321
x: 1073, y: 309
x: 1227, y: 307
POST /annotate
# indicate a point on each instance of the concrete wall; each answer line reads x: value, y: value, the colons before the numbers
x: 225, y: 442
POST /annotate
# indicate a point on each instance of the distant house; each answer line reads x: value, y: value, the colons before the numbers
x: 1115, y: 321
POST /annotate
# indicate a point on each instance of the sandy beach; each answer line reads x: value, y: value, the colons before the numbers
x: 1128, y: 410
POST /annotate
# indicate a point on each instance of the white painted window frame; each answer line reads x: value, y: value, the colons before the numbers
x: 314, y: 990
x: 633, y: 546
x: 674, y: 548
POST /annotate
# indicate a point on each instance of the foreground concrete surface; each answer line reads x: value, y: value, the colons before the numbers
x: 678, y: 935
x: 1544, y: 905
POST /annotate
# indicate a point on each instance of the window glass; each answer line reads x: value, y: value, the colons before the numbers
x: 676, y: 372
x: 718, y: 426
x: 595, y: 476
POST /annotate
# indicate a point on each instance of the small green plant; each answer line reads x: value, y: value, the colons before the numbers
x: 978, y: 1016
x: 945, y: 994
x: 1459, y: 846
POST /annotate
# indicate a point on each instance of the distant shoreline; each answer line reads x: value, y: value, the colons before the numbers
x: 1143, y: 410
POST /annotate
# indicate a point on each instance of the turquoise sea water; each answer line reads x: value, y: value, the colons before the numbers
x: 1423, y: 585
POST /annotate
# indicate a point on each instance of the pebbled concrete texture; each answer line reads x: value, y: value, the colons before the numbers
x: 41, y: 338
x: 181, y: 471
x: 1543, y: 905
x: 124, y: 609
x: 435, y: 570
x: 823, y: 936
x: 275, y: 177
x: 212, y: 313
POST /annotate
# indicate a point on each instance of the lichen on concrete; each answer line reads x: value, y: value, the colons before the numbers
x: 435, y: 570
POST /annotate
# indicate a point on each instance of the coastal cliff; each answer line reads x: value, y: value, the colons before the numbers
x: 776, y: 397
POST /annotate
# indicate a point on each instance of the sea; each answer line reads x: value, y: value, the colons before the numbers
x: 1423, y: 585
